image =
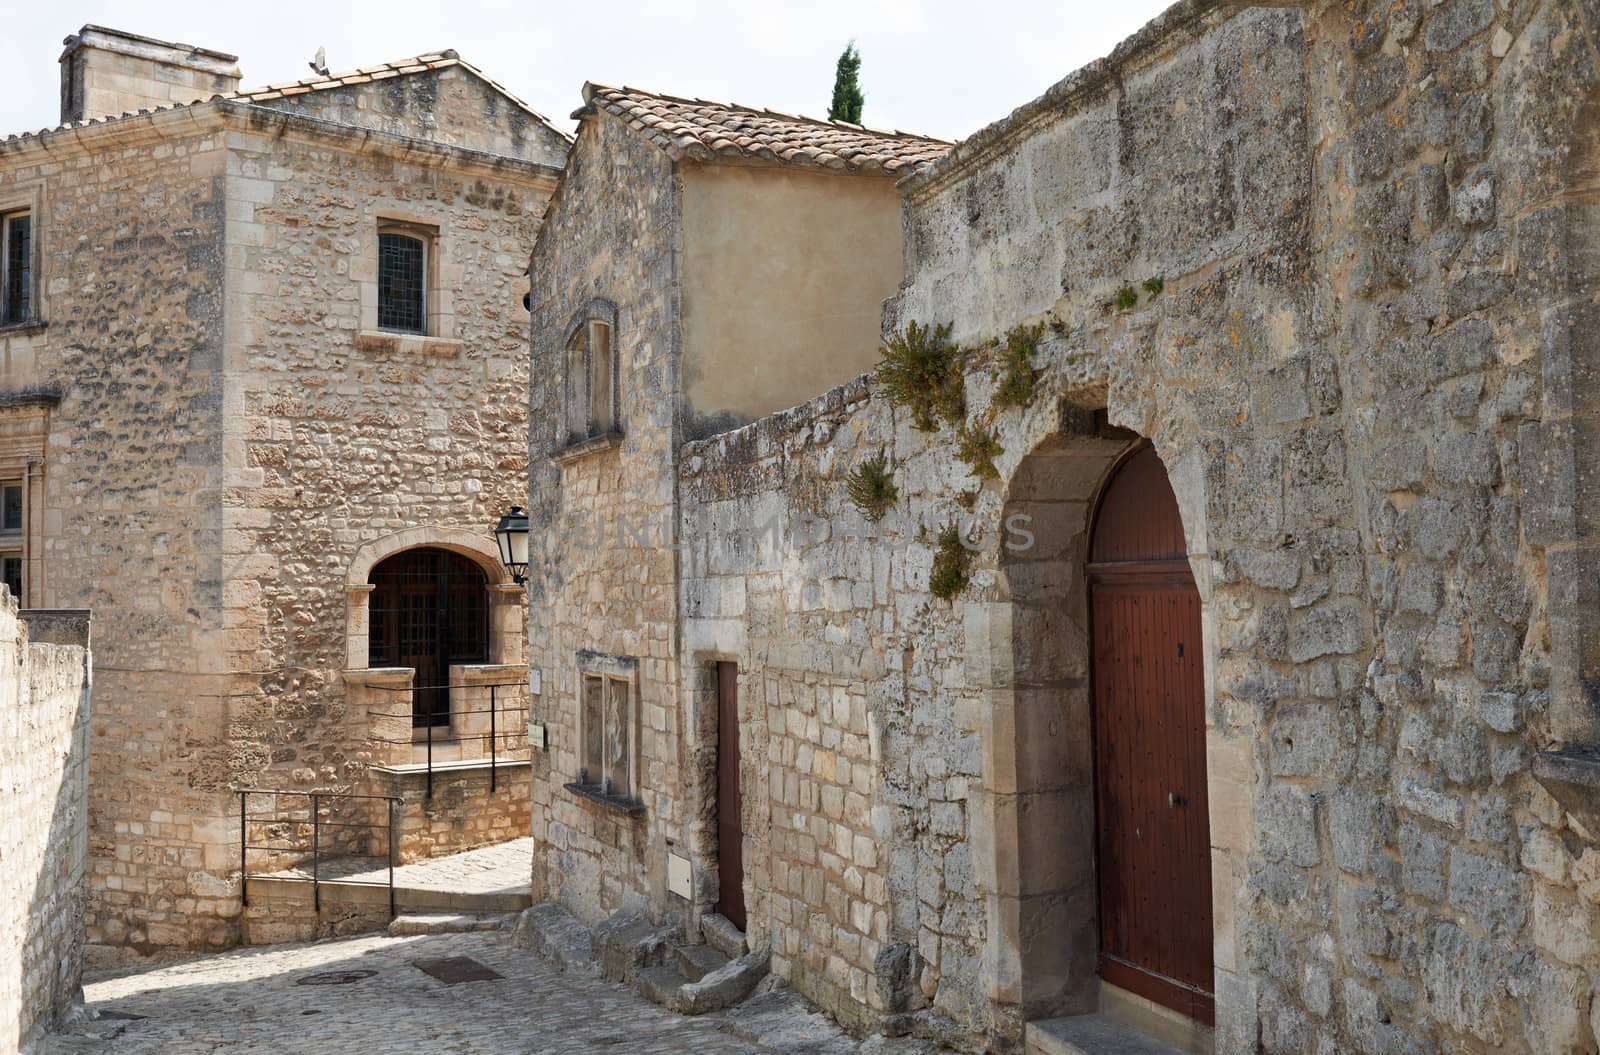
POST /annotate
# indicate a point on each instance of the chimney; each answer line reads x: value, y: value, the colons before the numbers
x: 106, y: 72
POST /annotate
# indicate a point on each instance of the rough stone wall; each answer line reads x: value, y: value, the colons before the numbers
x: 449, y: 105
x: 603, y: 573
x: 133, y: 496
x: 1364, y: 376
x: 44, y: 756
x: 341, y: 441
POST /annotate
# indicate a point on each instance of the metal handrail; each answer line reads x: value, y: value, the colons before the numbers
x: 315, y: 804
x: 492, y: 736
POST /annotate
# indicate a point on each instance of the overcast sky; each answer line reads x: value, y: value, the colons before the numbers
x: 941, y: 67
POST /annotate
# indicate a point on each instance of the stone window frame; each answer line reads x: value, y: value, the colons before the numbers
x: 428, y: 237
x: 438, y: 297
x: 507, y: 621
x: 24, y: 436
x: 27, y: 199
x: 609, y: 669
x: 582, y: 427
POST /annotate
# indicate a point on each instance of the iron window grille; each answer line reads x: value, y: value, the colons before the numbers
x: 402, y: 282
x: 16, y: 268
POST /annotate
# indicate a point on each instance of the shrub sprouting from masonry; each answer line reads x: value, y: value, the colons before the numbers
x: 1017, y: 375
x: 1127, y: 297
x: 871, y: 486
x: 921, y: 370
x: 1154, y: 285
x: 978, y: 446
x: 951, y: 562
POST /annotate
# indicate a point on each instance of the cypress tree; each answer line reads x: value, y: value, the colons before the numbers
x: 847, y: 97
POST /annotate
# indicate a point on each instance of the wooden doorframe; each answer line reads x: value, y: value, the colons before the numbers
x: 729, y: 786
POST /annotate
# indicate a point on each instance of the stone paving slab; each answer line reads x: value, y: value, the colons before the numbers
x: 246, y: 1001
x: 506, y: 868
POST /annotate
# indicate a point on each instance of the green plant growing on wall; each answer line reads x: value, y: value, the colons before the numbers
x: 978, y: 446
x: 1154, y: 285
x: 1017, y: 375
x: 871, y: 486
x: 951, y: 564
x: 921, y: 369
x: 1127, y: 297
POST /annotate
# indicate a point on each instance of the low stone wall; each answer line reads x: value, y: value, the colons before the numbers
x: 462, y: 813
x: 44, y: 710
x: 284, y: 911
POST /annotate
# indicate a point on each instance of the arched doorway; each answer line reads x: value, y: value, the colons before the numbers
x: 1153, y: 846
x: 429, y: 609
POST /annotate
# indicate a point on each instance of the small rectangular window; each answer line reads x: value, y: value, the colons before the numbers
x: 11, y: 509
x: 11, y: 540
x: 607, y: 720
x: 11, y: 573
x: 16, y: 267
x: 402, y: 282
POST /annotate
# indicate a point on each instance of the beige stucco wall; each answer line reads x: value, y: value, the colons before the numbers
x: 784, y: 278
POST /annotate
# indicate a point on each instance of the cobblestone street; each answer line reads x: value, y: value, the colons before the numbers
x: 264, y: 1000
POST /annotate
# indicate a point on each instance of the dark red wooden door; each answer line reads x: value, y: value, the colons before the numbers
x: 730, y: 826
x: 1153, y: 844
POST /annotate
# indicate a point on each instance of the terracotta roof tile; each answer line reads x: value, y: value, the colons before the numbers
x: 267, y: 93
x: 697, y: 128
x: 437, y: 60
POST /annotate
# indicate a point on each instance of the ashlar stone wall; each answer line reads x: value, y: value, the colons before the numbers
x: 44, y: 756
x: 603, y: 574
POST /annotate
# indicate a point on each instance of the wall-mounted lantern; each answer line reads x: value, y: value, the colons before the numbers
x: 512, y: 534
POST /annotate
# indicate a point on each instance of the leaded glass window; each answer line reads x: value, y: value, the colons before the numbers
x: 16, y: 267
x: 402, y: 283
x: 11, y: 541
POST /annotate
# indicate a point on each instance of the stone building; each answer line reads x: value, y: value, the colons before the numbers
x: 44, y: 759
x: 1314, y: 282
x: 264, y: 356
x: 700, y: 266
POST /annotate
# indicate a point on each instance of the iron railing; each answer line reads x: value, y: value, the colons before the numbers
x: 349, y: 840
x: 500, y: 739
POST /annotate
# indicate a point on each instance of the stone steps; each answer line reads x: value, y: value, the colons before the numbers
x: 1095, y: 1034
x: 697, y: 961
x: 657, y: 961
x: 445, y: 923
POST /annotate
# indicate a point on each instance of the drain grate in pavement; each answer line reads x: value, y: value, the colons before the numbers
x: 335, y: 977
x: 453, y: 970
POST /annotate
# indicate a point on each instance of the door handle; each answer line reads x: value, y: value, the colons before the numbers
x: 1174, y: 799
